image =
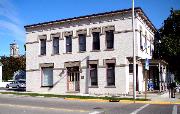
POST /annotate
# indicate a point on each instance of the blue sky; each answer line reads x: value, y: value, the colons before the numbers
x: 14, y: 14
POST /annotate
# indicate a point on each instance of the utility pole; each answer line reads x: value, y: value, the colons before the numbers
x: 134, y: 55
x: 146, y: 71
x: 145, y: 83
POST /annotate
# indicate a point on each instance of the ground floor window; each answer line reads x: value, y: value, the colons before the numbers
x: 130, y: 68
x: 47, y: 77
x: 110, y: 74
x: 93, y: 74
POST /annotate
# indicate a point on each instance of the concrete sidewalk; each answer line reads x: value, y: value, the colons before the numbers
x: 161, y: 97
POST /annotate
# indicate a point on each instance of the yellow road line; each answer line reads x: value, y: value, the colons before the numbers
x: 88, y: 100
x: 150, y: 102
x: 43, y: 108
x: 124, y: 101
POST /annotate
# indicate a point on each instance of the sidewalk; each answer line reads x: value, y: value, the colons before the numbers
x: 161, y: 98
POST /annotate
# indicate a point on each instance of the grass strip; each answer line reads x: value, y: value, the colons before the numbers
x: 74, y: 96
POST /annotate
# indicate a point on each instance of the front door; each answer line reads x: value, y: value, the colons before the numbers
x: 73, y: 79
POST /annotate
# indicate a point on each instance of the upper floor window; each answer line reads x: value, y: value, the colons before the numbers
x: 56, y: 45
x: 150, y: 45
x: 146, y: 46
x: 82, y: 42
x: 68, y: 44
x: 110, y: 39
x: 96, y: 40
x: 140, y: 35
x: 43, y: 46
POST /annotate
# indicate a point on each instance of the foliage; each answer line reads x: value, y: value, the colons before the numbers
x: 167, y: 44
x: 11, y: 65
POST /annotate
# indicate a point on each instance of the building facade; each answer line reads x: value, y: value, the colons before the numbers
x: 89, y: 54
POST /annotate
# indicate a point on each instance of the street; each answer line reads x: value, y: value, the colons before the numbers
x: 11, y: 104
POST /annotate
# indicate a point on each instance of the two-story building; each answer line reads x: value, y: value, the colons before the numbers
x: 89, y: 54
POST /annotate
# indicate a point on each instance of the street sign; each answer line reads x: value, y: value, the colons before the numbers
x: 147, y: 64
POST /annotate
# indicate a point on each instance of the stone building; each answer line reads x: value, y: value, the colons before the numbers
x: 89, y: 54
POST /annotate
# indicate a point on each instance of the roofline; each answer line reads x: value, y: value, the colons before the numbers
x: 137, y: 9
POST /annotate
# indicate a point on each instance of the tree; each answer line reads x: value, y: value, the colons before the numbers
x: 167, y: 42
x: 11, y: 65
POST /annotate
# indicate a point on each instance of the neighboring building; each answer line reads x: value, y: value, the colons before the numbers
x: 14, y: 50
x: 1, y: 65
x: 158, y: 75
x: 89, y: 54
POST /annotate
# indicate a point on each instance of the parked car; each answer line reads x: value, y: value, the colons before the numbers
x: 17, y: 84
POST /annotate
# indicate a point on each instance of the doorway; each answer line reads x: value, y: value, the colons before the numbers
x: 73, y: 76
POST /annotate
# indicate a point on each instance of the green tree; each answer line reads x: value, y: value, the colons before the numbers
x: 168, y: 42
x: 11, y: 65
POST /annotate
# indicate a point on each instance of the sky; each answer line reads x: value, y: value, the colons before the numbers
x: 15, y: 14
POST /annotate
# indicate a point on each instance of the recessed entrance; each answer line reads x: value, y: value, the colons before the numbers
x: 73, y: 79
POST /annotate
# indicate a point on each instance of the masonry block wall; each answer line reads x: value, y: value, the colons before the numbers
x: 123, y: 47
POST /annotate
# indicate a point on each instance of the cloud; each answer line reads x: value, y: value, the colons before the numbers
x: 10, y: 21
x: 9, y: 11
x: 13, y: 30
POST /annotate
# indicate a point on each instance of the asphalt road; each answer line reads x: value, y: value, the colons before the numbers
x: 11, y: 104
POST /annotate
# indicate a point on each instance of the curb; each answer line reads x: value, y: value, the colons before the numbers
x: 87, y: 100
x: 150, y: 102
x: 123, y: 101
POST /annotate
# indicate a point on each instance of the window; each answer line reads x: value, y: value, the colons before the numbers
x: 130, y: 68
x: 140, y: 33
x: 47, y: 76
x: 93, y: 74
x: 56, y: 45
x: 110, y: 39
x: 68, y: 44
x: 96, y: 41
x: 146, y: 41
x: 150, y: 45
x: 110, y: 74
x: 82, y: 42
x: 43, y: 46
